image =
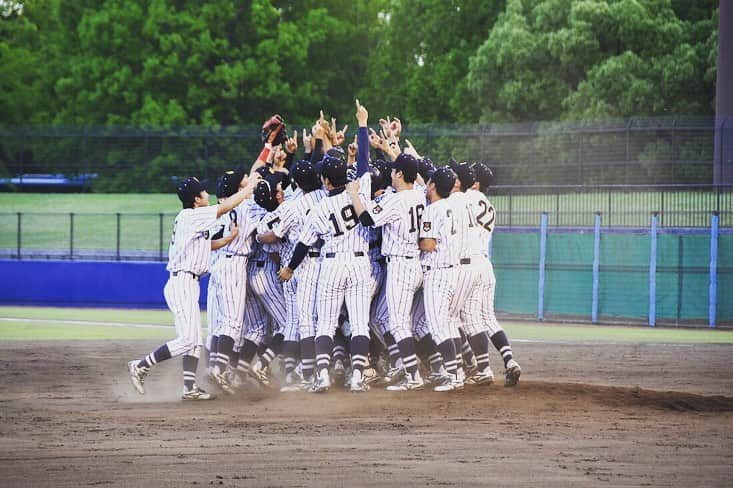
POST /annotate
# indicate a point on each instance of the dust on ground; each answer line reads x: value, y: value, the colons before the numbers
x: 582, y: 415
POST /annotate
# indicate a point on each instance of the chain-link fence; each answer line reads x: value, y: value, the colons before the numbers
x: 633, y: 151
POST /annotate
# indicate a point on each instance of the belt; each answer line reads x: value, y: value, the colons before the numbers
x: 465, y: 261
x: 428, y: 268
x: 389, y: 258
x: 236, y: 255
x: 357, y: 254
x: 183, y: 273
x: 314, y: 254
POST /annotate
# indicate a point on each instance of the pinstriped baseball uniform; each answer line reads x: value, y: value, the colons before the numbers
x: 439, y: 266
x: 345, y: 268
x: 189, y: 257
x: 230, y: 272
x: 478, y: 311
x: 468, y: 276
x: 300, y: 292
x: 399, y: 214
x: 212, y: 316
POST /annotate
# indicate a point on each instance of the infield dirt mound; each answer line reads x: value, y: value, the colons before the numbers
x: 582, y: 415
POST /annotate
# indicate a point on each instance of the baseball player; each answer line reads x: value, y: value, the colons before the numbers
x: 399, y: 214
x: 300, y: 292
x: 229, y: 275
x: 188, y: 258
x: 212, y: 338
x: 439, y: 243
x: 263, y: 280
x: 480, y: 304
x: 344, y: 274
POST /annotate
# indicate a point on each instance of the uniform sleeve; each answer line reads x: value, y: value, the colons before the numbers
x: 312, y: 229
x: 384, y: 210
x: 431, y: 223
x: 365, y: 185
x: 287, y: 221
x: 204, y: 218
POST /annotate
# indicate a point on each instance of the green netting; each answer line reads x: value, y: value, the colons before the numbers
x: 516, y: 264
x: 682, y: 276
x: 725, y: 279
x: 624, y: 276
x: 569, y: 274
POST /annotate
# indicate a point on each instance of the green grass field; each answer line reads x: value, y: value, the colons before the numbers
x: 41, y: 323
x: 46, y: 221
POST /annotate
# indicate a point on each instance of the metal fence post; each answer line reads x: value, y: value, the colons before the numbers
x: 160, y: 236
x: 71, y: 235
x: 596, y: 268
x: 19, y: 233
x: 117, y: 241
x: 541, y: 276
x: 713, y: 297
x: 653, y: 271
x: 21, y: 161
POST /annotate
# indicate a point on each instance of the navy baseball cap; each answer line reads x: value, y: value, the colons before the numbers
x: 444, y: 179
x: 408, y: 165
x: 334, y: 169
x: 265, y: 195
x: 305, y: 175
x: 229, y: 182
x: 425, y: 168
x: 464, y: 172
x: 189, y: 189
x: 484, y: 175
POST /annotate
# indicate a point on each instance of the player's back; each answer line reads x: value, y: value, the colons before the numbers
x: 190, y: 246
x: 439, y: 223
x: 484, y: 216
x: 336, y: 222
x: 400, y: 235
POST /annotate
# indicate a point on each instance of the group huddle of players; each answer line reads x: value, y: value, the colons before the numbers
x: 353, y: 271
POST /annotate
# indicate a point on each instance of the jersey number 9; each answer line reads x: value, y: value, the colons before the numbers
x: 348, y: 215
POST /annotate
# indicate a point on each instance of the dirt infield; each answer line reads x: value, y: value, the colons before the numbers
x: 582, y: 415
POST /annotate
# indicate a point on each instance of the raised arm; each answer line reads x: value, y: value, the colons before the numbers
x: 362, y: 140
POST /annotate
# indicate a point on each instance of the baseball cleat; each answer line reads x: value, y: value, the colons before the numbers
x: 409, y: 383
x: 512, y: 373
x: 339, y: 371
x: 137, y: 375
x: 358, y: 385
x: 394, y: 375
x: 260, y: 374
x: 322, y: 383
x: 292, y: 383
x: 196, y: 393
x: 449, y: 382
x: 222, y: 380
x: 483, y: 377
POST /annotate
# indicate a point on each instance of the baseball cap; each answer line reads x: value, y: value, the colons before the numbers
x: 484, y: 175
x: 337, y: 152
x: 264, y: 195
x: 334, y: 169
x: 189, y: 189
x: 464, y: 172
x: 305, y: 175
x: 444, y: 179
x: 425, y: 168
x: 408, y: 165
x: 229, y: 182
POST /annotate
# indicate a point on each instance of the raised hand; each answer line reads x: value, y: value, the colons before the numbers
x: 396, y: 127
x: 340, y: 136
x: 353, y: 147
x: 410, y: 149
x: 307, y: 142
x: 291, y: 144
x: 362, y: 116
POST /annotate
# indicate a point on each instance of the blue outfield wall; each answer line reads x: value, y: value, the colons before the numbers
x: 85, y: 283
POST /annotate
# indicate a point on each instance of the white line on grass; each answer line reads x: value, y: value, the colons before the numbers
x: 86, y: 322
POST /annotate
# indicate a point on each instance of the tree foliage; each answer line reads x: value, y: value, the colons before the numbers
x: 169, y: 63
